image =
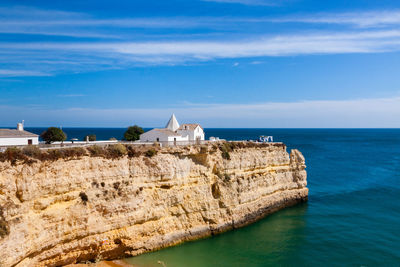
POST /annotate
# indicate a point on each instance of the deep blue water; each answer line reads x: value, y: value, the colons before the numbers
x: 352, y: 217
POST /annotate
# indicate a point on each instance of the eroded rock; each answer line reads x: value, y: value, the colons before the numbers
x: 63, y: 212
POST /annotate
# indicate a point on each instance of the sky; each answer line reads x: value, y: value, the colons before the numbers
x: 221, y: 63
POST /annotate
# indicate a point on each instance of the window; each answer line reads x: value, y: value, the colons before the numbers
x: 29, y: 141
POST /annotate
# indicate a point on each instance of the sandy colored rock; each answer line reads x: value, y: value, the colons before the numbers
x: 70, y: 211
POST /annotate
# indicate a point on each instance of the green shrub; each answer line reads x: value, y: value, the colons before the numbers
x: 116, y: 151
x: 74, y: 152
x: 32, y: 151
x: 132, y: 152
x: 151, y: 152
x: 53, y: 134
x: 225, y: 149
x: 13, y: 154
x: 96, y: 151
x: 226, y: 155
x: 133, y: 133
x: 53, y: 154
x: 227, y: 177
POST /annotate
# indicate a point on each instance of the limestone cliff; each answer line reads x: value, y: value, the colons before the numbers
x: 59, y: 212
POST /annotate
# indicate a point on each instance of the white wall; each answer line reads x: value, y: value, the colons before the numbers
x: 151, y: 136
x: 178, y: 138
x: 18, y: 141
x: 198, y: 132
x: 184, y: 135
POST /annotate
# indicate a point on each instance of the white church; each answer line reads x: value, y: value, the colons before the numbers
x: 173, y: 132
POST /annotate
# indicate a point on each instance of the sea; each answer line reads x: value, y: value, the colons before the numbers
x: 352, y: 217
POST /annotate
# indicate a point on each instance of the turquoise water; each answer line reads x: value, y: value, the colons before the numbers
x: 352, y: 217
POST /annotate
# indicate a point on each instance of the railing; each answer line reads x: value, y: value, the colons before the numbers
x: 183, y: 143
x: 70, y: 144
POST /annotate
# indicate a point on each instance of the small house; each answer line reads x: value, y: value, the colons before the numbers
x: 17, y: 137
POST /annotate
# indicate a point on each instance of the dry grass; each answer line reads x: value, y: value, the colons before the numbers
x: 151, y: 152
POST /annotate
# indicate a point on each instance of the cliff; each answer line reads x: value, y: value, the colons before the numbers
x: 70, y: 210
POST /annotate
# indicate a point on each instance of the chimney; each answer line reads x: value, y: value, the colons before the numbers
x: 20, y: 126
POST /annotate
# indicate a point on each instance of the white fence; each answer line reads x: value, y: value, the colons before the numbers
x: 70, y: 144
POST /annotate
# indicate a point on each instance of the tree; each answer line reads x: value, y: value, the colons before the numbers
x: 133, y: 133
x: 92, y: 137
x: 53, y: 134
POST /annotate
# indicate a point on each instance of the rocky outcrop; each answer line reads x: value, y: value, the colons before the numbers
x: 67, y: 211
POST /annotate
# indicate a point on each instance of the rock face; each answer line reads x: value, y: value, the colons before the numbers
x: 67, y: 211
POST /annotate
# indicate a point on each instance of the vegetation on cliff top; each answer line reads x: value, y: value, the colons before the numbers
x: 53, y: 134
x: 32, y: 154
x: 133, y: 133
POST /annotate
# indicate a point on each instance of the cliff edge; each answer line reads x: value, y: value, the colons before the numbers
x: 71, y: 210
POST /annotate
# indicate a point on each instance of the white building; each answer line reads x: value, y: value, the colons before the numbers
x: 173, y: 132
x: 18, y: 137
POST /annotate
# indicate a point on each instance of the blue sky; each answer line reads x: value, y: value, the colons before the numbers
x: 223, y: 63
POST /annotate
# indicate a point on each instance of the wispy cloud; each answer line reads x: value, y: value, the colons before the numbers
x: 377, y: 112
x: 258, y: 46
x: 21, y: 73
x: 361, y: 19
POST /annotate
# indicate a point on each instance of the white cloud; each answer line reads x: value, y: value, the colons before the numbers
x: 361, y: 19
x: 357, y: 113
x: 21, y: 73
x: 368, y: 42
x: 280, y: 45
